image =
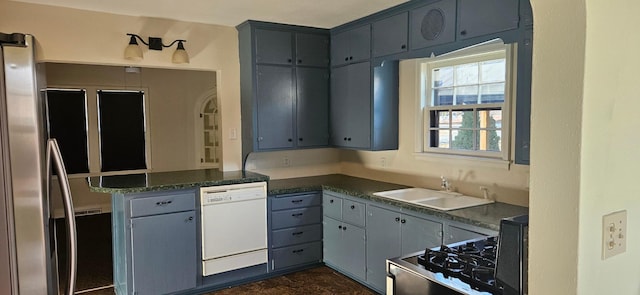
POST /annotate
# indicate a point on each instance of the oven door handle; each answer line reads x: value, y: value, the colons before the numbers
x: 391, y: 284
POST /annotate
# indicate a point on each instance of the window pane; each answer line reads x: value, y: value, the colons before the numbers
x: 490, y: 119
x: 462, y: 119
x: 462, y: 139
x: 442, y: 77
x: 489, y: 140
x: 467, y: 95
x: 443, y: 119
x: 492, y: 93
x: 466, y: 74
x: 67, y: 119
x: 439, y: 138
x: 442, y: 96
x: 122, y: 133
x: 492, y: 71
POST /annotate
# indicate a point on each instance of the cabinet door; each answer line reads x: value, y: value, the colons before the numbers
x: 164, y: 253
x: 312, y: 50
x: 312, y: 106
x: 360, y: 44
x: 275, y: 107
x: 418, y: 234
x: 358, y: 106
x: 390, y: 35
x: 433, y: 24
x: 383, y: 242
x: 338, y: 114
x: 340, y: 48
x: 477, y: 18
x: 273, y: 47
x: 332, y: 241
x: 353, y: 247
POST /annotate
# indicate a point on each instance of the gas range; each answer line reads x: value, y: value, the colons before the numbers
x: 462, y: 268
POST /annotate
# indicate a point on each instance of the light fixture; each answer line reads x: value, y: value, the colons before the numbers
x: 134, y: 52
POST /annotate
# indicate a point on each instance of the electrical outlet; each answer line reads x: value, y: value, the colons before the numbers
x: 233, y: 133
x: 614, y: 234
x: 383, y: 162
x: 285, y: 161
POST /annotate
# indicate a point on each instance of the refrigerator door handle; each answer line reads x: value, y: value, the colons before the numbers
x: 54, y: 156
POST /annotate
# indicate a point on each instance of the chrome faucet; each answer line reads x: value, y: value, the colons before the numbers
x: 444, y: 184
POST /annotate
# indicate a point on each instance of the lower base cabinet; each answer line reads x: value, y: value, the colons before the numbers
x: 392, y: 234
x: 344, y: 247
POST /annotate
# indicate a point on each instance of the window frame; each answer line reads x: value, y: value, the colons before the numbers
x: 478, y: 53
x: 147, y: 136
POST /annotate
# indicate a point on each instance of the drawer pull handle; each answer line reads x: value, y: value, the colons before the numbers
x: 397, y: 219
x: 331, y: 201
x: 190, y: 218
x: 297, y: 233
x: 297, y: 214
x: 344, y: 228
x: 296, y: 201
x: 339, y: 226
x: 403, y: 221
x: 297, y: 251
x: 353, y: 207
x: 163, y: 203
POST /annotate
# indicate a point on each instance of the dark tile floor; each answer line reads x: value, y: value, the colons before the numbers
x: 95, y: 272
x: 319, y: 280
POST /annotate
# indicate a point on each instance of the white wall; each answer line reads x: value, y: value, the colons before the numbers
x: 610, y: 146
x: 584, y: 151
x: 76, y: 36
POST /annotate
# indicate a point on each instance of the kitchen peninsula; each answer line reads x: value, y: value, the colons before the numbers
x: 307, y: 205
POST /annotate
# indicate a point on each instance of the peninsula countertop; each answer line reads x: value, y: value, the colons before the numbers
x: 158, y: 181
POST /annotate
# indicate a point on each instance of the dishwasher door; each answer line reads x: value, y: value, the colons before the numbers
x: 234, y: 227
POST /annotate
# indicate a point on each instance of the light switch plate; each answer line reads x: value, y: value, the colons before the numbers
x: 614, y: 234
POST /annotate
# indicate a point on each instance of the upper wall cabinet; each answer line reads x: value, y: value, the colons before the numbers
x: 476, y: 18
x: 390, y: 35
x: 351, y: 46
x: 284, y: 80
x: 433, y: 24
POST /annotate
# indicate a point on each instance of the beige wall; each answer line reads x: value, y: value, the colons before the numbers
x: 584, y: 150
x: 506, y: 183
x: 172, y: 98
x: 76, y: 36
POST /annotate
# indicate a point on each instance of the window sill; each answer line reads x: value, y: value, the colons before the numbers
x: 463, y: 160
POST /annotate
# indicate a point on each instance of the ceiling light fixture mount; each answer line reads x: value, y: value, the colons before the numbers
x: 133, y: 51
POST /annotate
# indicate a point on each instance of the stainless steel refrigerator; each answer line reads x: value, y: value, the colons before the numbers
x: 28, y: 262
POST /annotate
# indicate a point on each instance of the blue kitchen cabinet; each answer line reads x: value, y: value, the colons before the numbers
x: 351, y: 46
x: 284, y: 91
x: 344, y: 243
x: 477, y: 18
x: 274, y: 107
x: 351, y: 106
x: 295, y: 224
x: 391, y: 233
x: 433, y: 24
x: 390, y: 35
x: 155, y: 242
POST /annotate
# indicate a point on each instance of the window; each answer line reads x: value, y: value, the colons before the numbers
x: 465, y: 102
x: 67, y: 123
x: 122, y: 128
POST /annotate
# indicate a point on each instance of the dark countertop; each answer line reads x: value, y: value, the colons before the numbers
x: 485, y: 216
x: 157, y: 181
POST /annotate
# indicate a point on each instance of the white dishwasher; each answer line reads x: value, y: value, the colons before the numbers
x: 234, y: 226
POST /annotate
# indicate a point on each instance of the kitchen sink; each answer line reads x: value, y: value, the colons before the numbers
x: 440, y: 200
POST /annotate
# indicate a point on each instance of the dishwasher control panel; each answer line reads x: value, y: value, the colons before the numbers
x: 233, y: 193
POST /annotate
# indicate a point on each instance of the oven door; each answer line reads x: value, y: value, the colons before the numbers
x: 403, y: 281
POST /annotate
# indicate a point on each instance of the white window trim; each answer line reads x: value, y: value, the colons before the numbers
x: 476, y: 53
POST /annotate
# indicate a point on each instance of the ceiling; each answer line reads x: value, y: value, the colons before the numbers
x: 315, y: 13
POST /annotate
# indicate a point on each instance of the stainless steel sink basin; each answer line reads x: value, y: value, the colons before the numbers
x: 439, y: 200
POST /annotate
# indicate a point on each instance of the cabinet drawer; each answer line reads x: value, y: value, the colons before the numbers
x: 332, y: 206
x: 353, y: 212
x: 296, y: 201
x: 296, y: 235
x: 295, y: 217
x: 299, y: 254
x: 163, y: 204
